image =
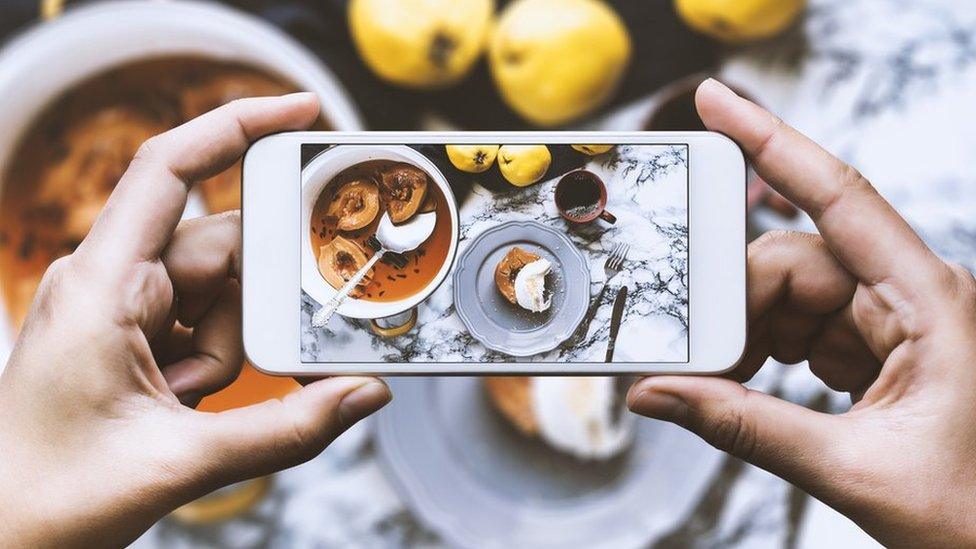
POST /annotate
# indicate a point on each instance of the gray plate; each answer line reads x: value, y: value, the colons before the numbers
x: 467, y: 474
x: 508, y: 328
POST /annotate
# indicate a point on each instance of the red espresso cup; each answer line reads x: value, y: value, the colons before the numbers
x: 581, y: 197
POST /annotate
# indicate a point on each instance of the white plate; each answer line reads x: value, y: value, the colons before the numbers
x: 507, y: 328
x: 476, y: 482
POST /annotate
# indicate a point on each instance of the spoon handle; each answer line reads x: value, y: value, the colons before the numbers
x: 323, y: 315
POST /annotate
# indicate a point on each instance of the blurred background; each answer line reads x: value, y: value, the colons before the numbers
x: 885, y: 84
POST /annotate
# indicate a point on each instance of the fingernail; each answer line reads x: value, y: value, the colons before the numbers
x: 718, y: 86
x: 363, y: 401
x: 660, y: 405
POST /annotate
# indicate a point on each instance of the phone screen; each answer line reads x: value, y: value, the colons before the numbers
x: 491, y: 253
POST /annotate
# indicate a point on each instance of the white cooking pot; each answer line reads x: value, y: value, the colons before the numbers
x: 322, y: 169
x: 51, y: 58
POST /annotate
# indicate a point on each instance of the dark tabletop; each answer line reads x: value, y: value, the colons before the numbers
x: 663, y: 50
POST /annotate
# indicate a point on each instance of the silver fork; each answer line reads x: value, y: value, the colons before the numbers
x: 611, y: 268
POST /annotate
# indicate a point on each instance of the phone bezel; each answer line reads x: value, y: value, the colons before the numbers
x: 271, y: 279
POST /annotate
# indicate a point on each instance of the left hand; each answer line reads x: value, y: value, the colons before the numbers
x: 97, y: 436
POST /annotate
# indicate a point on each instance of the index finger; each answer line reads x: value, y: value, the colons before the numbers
x: 143, y: 211
x: 859, y: 226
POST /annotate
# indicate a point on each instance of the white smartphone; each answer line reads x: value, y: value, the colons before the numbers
x: 486, y: 253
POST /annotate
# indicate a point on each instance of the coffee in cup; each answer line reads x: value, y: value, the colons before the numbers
x: 581, y: 197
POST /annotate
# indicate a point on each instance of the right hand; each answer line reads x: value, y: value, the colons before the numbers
x: 878, y: 315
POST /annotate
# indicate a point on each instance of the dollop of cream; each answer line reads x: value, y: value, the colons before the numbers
x: 583, y: 416
x: 530, y: 286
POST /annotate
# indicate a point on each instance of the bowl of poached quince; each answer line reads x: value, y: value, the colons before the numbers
x: 346, y: 191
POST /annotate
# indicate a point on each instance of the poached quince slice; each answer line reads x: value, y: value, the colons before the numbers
x: 339, y: 260
x: 430, y: 204
x: 405, y: 187
x: 355, y: 204
x: 508, y: 268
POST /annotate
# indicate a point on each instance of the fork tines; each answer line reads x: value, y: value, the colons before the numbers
x: 374, y: 243
x: 617, y: 256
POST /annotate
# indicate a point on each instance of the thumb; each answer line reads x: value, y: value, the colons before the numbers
x: 280, y: 433
x: 787, y: 440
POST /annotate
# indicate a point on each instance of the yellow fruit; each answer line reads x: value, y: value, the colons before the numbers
x: 523, y: 165
x: 420, y: 43
x: 739, y: 21
x: 592, y: 149
x: 557, y: 60
x: 472, y: 158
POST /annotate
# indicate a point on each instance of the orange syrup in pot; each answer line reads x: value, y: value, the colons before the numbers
x: 388, y: 282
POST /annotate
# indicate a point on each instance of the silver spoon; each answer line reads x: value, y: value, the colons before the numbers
x: 400, y: 239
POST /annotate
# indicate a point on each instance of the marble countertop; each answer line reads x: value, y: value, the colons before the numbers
x: 885, y: 84
x: 647, y: 192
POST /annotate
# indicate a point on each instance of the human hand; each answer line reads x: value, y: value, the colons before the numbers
x: 142, y: 321
x: 878, y: 315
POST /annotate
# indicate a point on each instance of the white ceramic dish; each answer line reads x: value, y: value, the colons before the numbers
x: 51, y: 58
x: 507, y: 328
x: 317, y: 175
x: 471, y: 478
